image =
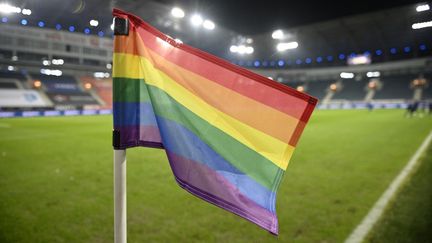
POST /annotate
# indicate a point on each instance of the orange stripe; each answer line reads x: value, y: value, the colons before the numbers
x: 271, y: 93
x: 264, y: 118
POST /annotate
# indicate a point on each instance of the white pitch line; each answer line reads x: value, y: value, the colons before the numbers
x: 362, y: 230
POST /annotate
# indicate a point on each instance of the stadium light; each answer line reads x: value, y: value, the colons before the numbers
x: 4, y: 20
x: 177, y: 12
x: 423, y: 7
x: 421, y: 25
x: 87, y: 86
x: 333, y: 87
x: 7, y: 9
x: 109, y: 66
x: 57, y: 61
x: 286, y: 46
x: 53, y: 72
x: 26, y: 11
x: 281, y: 63
x: 249, y: 49
x: 300, y: 88
x: 242, y: 49
x: 46, y: 62
x: 37, y: 84
x: 94, y: 23
x: 71, y: 28
x: 196, y: 20
x: 277, y: 34
x: 101, y: 75
x: 41, y: 24
x: 346, y: 75
x: 359, y: 59
x: 11, y: 68
x: 373, y: 74
x: 208, y: 24
x: 372, y: 84
x: 24, y: 21
x: 233, y: 49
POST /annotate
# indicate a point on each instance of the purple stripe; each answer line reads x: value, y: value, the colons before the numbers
x: 132, y: 136
x: 207, y: 184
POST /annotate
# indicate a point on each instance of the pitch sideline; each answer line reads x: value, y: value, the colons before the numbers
x: 362, y: 230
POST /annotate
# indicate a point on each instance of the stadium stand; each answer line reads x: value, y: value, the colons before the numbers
x: 8, y: 85
x: 315, y: 65
x: 12, y: 75
x: 352, y: 90
x: 65, y: 91
x: 427, y: 91
x: 396, y: 87
x: 318, y: 89
x: 102, y: 87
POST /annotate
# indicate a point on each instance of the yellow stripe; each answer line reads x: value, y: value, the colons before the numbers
x: 131, y: 66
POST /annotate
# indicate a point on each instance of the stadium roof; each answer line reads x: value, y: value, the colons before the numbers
x: 253, y: 17
x: 320, y: 31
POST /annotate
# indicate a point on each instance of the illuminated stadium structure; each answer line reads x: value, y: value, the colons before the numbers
x: 66, y: 63
x: 312, y: 121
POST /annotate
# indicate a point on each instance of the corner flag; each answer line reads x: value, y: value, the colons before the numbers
x: 228, y: 133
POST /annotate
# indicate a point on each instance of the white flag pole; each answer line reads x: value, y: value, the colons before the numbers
x: 119, y: 196
x: 121, y: 27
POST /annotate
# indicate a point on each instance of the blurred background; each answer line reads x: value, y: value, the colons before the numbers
x: 369, y: 63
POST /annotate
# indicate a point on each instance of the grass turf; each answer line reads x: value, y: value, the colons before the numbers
x: 409, y: 217
x: 56, y: 182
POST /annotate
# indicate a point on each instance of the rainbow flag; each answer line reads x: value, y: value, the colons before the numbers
x: 228, y: 133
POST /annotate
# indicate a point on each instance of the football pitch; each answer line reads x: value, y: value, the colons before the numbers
x: 56, y: 182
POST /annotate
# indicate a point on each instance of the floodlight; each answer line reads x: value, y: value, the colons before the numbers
x: 346, y: 75
x: 196, y: 20
x: 249, y: 49
x: 7, y: 9
x: 421, y: 8
x: 208, y: 24
x: 26, y: 11
x: 177, y: 12
x: 422, y: 25
x: 94, y: 23
x: 283, y: 46
x: 277, y: 34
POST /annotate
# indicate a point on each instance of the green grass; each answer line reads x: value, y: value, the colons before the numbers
x: 56, y: 182
x: 409, y: 217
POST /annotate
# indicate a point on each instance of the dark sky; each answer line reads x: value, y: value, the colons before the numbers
x: 252, y: 17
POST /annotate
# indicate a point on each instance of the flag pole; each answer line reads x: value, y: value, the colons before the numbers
x: 120, y: 196
x: 121, y: 27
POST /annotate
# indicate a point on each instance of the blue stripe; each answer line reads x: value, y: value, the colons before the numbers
x: 183, y: 142
x: 133, y: 113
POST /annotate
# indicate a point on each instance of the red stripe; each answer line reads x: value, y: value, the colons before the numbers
x: 224, y: 73
x: 303, y: 120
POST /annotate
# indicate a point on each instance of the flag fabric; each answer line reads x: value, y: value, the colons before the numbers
x: 228, y: 133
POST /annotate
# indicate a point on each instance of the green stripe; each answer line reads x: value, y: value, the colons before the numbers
x: 243, y: 158
x: 130, y: 90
